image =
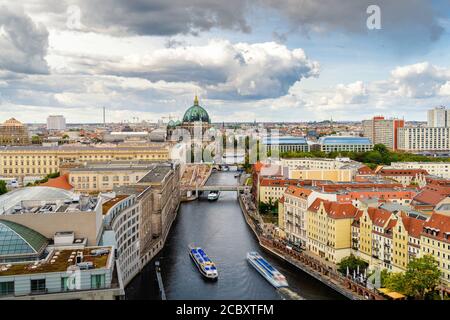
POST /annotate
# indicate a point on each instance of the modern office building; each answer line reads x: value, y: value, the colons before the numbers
x: 337, y: 143
x: 121, y: 215
x: 74, y: 272
x: 51, y: 210
x: 438, y: 117
x: 158, y: 197
x: 285, y: 144
x: 13, y: 133
x: 56, y: 123
x: 424, y: 139
x: 381, y: 130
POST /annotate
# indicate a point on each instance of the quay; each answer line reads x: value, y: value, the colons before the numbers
x: 308, y: 264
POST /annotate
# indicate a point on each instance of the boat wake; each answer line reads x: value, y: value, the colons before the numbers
x: 288, y: 294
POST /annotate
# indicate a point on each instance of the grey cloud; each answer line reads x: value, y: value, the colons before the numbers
x: 23, y: 43
x: 155, y: 17
x: 414, y: 23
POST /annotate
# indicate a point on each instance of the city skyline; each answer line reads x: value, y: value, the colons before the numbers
x: 269, y: 61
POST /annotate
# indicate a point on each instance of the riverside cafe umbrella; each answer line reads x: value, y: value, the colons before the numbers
x: 391, y: 294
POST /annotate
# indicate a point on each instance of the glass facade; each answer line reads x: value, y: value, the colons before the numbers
x: 6, y: 288
x: 16, y: 239
x: 97, y: 281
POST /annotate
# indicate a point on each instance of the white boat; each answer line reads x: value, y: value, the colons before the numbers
x: 213, y: 195
x: 203, y: 263
x: 271, y: 274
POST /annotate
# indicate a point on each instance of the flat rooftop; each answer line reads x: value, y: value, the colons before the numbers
x: 69, y: 148
x: 156, y: 175
x: 57, y: 261
x: 111, y: 203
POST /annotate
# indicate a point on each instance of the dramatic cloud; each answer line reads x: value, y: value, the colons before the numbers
x: 23, y: 44
x: 415, y: 23
x: 223, y: 69
x: 151, y: 17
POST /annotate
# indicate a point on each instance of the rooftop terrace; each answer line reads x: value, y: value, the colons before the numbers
x: 58, y: 261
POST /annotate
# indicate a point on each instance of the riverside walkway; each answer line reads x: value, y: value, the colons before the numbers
x: 304, y: 261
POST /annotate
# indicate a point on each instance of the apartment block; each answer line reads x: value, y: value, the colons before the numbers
x: 381, y: 130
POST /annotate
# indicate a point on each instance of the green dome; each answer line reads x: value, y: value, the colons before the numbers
x: 178, y: 123
x: 196, y: 113
x: 171, y: 124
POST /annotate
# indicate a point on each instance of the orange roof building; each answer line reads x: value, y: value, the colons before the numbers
x: 61, y: 182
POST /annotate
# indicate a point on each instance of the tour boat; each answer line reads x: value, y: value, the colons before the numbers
x: 271, y: 274
x: 213, y: 195
x: 204, y: 264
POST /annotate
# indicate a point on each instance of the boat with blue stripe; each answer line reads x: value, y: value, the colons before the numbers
x: 203, y: 263
x: 271, y: 274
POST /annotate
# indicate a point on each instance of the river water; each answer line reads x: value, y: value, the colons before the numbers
x: 220, y: 228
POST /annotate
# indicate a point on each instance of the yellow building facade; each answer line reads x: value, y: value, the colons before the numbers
x: 335, y: 175
x: 40, y: 161
x: 329, y: 229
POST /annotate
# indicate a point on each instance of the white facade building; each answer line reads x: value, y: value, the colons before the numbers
x: 57, y: 123
x: 440, y: 169
x: 421, y: 139
x: 438, y: 117
x: 122, y: 216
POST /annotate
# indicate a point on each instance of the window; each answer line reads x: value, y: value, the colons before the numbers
x: 66, y: 284
x: 38, y: 286
x: 6, y: 288
x: 97, y: 281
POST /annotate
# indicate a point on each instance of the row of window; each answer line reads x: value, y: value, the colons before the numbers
x: 38, y: 286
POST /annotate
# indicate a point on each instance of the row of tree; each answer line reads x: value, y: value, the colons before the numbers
x: 419, y: 281
x: 380, y: 155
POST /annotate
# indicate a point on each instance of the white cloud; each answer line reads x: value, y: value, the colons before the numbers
x: 445, y: 89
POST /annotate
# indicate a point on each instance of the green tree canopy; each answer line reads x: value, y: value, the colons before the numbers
x: 3, y: 188
x: 421, y: 276
x: 351, y: 262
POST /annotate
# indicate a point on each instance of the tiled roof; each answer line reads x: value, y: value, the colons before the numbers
x: 62, y: 182
x: 335, y: 210
x: 440, y: 224
x: 365, y: 170
x: 298, y: 192
x: 428, y: 196
x: 379, y: 216
x: 277, y: 182
x: 413, y: 226
x: 402, y: 172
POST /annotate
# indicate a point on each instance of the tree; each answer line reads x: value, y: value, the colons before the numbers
x: 421, y: 277
x: 3, y: 188
x: 381, y: 148
x: 351, y: 262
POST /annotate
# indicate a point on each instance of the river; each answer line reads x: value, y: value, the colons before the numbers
x: 220, y: 228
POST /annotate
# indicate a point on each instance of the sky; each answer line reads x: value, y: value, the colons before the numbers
x: 247, y: 60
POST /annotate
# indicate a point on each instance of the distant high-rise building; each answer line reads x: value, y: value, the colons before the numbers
x: 384, y: 131
x: 421, y: 139
x: 439, y: 117
x: 13, y: 133
x: 57, y: 123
